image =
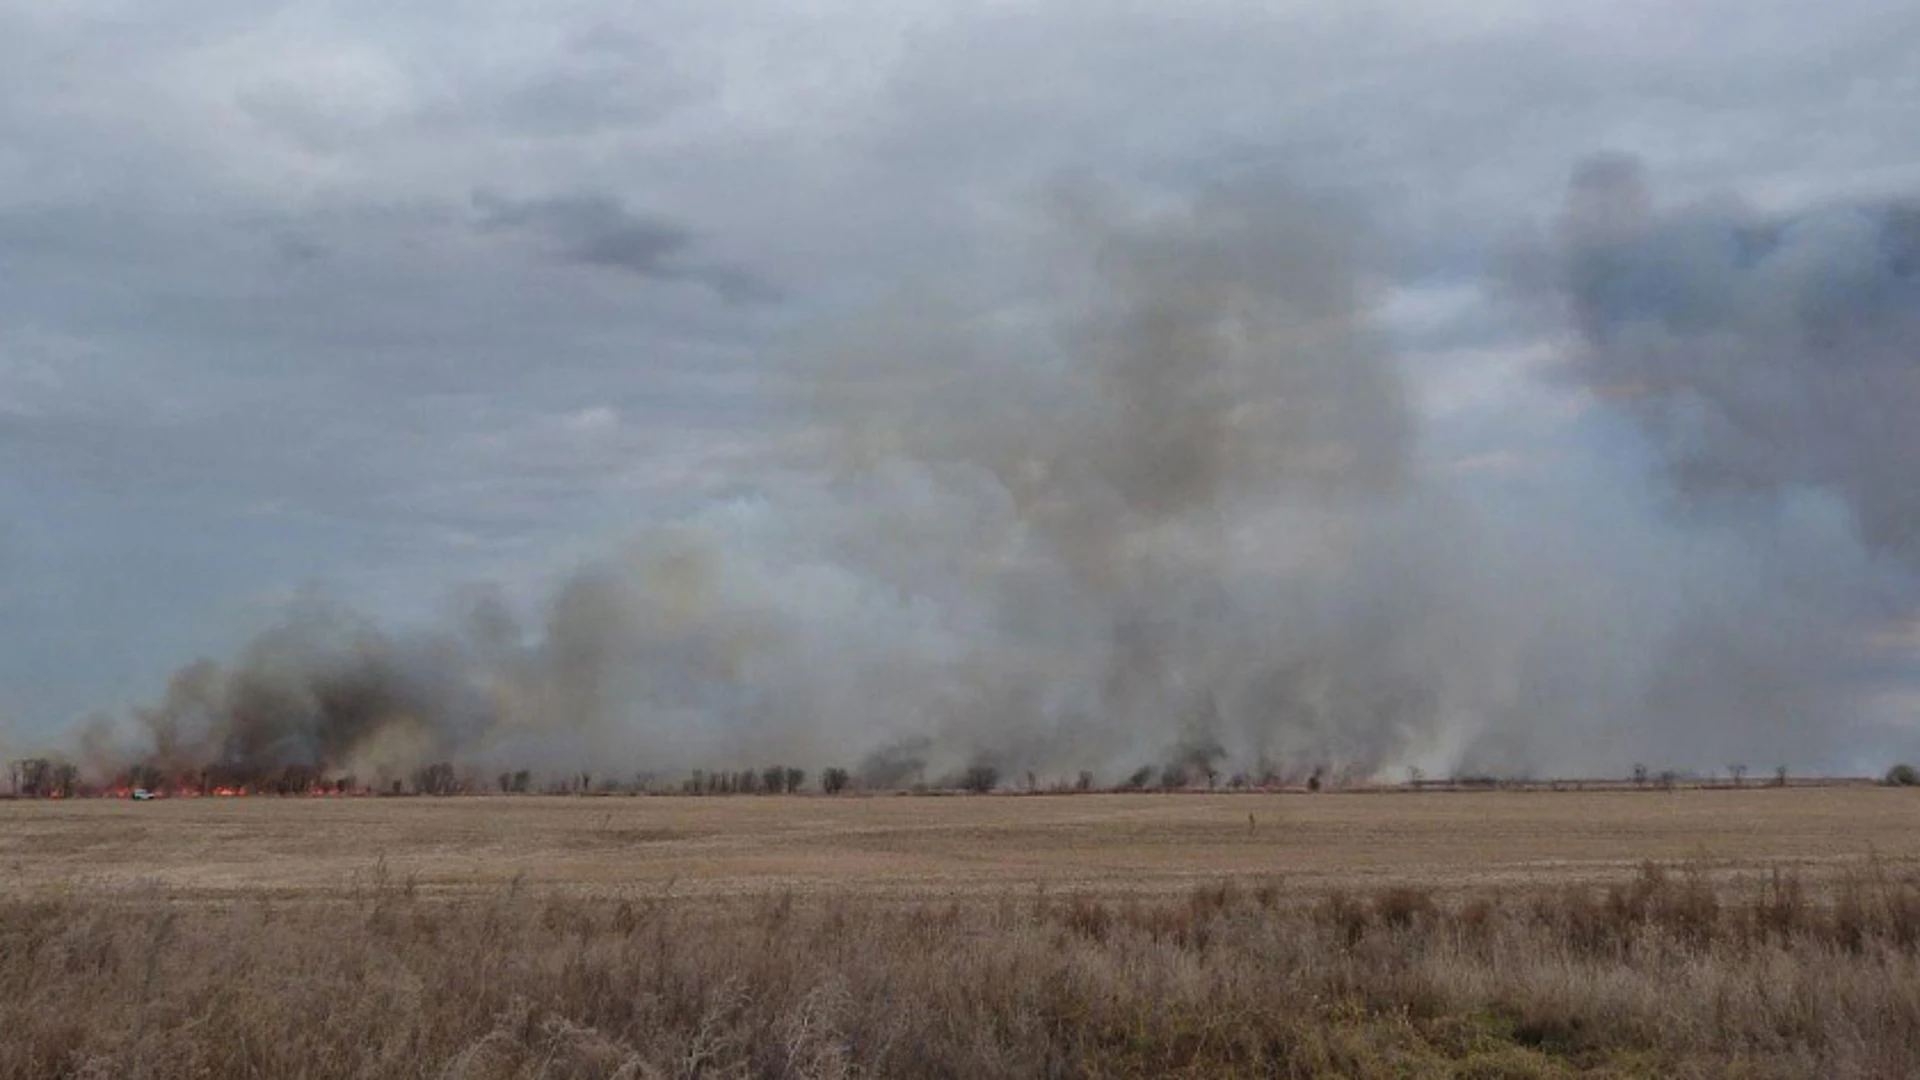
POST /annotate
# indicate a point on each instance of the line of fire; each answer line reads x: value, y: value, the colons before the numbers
x: 48, y: 778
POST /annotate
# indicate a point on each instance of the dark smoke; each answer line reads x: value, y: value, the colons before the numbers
x: 323, y: 691
x: 898, y: 765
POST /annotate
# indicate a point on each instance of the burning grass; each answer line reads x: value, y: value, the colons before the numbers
x: 1663, y: 974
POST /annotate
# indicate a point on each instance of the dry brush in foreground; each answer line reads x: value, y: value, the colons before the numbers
x: 1663, y: 975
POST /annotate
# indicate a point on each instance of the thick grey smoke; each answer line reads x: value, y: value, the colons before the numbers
x: 1771, y: 362
x: 1761, y: 353
x: 1123, y: 487
x: 1173, y: 513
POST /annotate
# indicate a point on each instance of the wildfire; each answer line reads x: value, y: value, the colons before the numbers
x: 48, y: 778
x: 218, y: 791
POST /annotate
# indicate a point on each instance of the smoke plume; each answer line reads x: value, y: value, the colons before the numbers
x: 1174, y: 513
x: 1761, y: 354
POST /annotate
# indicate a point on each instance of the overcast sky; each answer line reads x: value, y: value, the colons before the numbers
x: 389, y: 299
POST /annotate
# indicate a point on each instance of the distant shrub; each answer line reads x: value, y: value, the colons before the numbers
x: 1903, y: 775
x: 833, y: 781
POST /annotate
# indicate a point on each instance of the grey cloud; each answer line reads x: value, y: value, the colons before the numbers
x: 598, y: 230
x: 595, y: 229
x: 298, y: 248
x: 603, y: 77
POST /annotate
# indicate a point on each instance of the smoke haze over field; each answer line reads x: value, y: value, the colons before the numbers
x: 1256, y: 392
x: 1173, y: 515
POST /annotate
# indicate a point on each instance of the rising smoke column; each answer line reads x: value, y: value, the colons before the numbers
x: 321, y: 689
x: 1199, y: 512
x: 1178, y: 498
x: 1130, y: 530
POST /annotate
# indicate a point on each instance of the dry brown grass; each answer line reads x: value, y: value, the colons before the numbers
x: 1661, y: 975
x: 939, y: 847
x: 1489, y: 935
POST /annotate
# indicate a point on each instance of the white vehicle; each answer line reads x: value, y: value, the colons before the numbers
x: 141, y: 794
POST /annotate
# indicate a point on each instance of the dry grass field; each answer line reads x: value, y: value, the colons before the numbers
x: 939, y: 847
x: 1752, y: 933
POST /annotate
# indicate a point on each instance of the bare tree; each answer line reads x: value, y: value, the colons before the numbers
x: 435, y: 779
x: 46, y: 779
x: 980, y: 778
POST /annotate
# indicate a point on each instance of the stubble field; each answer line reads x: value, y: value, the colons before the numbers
x: 1762, y: 932
x: 939, y: 847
